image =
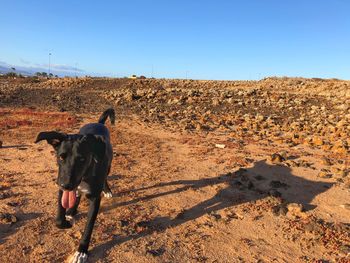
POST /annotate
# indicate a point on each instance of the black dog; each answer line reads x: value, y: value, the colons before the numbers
x: 84, y: 161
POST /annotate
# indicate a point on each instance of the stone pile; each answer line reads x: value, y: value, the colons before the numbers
x: 256, y: 109
x: 286, y: 110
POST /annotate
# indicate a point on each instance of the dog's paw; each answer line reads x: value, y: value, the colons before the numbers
x: 107, y: 194
x: 79, y: 257
x: 63, y: 224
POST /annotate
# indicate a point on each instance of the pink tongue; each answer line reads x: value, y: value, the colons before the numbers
x: 68, y: 199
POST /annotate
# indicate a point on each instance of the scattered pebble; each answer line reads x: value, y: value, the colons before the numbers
x: 324, y: 174
x: 296, y: 210
x: 345, y: 206
x: 277, y: 158
x: 7, y: 218
x: 156, y: 252
x: 279, y: 210
x: 326, y: 161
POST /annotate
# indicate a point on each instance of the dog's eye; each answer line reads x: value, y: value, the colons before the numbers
x: 62, y: 157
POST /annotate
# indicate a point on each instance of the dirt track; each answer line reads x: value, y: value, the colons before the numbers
x: 178, y: 197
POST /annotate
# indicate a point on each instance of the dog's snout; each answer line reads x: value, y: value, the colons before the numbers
x: 67, y: 186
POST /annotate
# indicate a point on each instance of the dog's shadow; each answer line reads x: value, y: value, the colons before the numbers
x: 244, y: 185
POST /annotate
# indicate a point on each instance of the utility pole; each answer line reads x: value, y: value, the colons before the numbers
x: 76, y: 69
x: 152, y: 71
x: 49, y: 64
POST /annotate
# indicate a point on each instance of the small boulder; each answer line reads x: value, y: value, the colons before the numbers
x: 7, y: 218
x: 277, y: 158
x: 295, y: 210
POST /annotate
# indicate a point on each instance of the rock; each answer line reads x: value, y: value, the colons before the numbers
x: 221, y: 146
x: 343, y: 107
x: 0, y: 143
x: 345, y: 206
x: 76, y: 234
x: 4, y: 195
x: 156, y: 252
x: 217, y: 216
x: 326, y: 161
x: 279, y: 210
x: 341, y: 124
x: 7, y: 218
x: 313, y: 227
x: 283, y: 154
x: 341, y: 173
x: 317, y: 141
x: 129, y: 96
x: 295, y: 210
x: 324, y: 174
x: 340, y: 147
x: 277, y: 158
x: 216, y: 102
x: 294, y: 207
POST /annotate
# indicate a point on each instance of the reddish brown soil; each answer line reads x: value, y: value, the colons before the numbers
x: 177, y: 198
x: 180, y: 195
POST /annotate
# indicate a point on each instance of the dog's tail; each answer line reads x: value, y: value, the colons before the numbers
x: 107, y: 113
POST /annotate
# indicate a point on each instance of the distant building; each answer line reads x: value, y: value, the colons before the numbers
x: 133, y: 77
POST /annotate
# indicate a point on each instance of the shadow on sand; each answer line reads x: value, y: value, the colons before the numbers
x: 9, y: 229
x: 20, y: 146
x: 244, y: 185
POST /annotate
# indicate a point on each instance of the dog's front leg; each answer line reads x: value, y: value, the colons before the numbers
x: 81, y: 255
x: 61, y: 221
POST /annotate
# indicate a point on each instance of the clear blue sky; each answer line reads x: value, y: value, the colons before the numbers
x: 246, y: 39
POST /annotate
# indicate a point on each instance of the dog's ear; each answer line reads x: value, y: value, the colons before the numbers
x: 52, y: 137
x: 97, y: 145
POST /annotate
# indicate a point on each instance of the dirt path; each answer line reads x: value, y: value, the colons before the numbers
x: 178, y: 198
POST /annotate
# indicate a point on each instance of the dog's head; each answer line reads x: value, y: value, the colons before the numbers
x: 75, y: 154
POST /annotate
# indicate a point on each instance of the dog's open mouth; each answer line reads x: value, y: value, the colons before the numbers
x: 68, y: 199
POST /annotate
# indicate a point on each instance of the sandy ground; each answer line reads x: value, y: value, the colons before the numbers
x: 178, y: 198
